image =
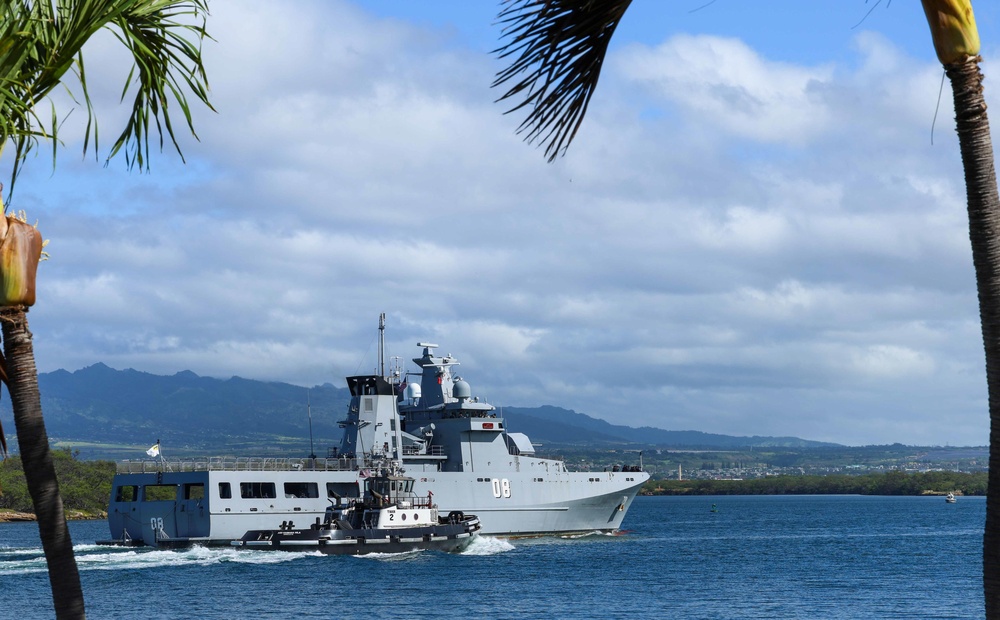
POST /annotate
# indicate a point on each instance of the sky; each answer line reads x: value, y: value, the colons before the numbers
x: 759, y: 230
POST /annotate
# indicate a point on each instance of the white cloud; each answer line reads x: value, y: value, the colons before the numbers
x: 744, y: 228
x: 888, y: 361
x: 724, y: 82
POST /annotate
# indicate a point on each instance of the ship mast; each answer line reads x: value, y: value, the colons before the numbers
x: 381, y: 344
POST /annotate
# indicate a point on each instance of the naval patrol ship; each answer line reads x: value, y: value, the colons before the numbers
x: 455, y: 446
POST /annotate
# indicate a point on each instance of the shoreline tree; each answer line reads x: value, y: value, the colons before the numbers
x: 557, y: 50
x: 41, y: 46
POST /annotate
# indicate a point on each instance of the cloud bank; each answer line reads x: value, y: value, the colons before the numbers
x: 734, y: 244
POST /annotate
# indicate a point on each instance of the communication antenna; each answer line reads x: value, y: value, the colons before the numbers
x: 381, y: 344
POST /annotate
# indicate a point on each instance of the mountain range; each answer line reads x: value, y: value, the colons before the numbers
x: 106, y: 412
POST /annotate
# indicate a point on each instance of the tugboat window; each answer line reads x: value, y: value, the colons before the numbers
x: 225, y: 491
x: 257, y: 490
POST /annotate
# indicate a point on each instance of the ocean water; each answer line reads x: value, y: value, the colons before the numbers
x: 821, y: 557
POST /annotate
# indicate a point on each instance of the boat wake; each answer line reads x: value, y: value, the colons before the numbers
x: 21, y: 561
x: 587, y: 535
x: 402, y: 556
x: 487, y: 545
x: 94, y: 557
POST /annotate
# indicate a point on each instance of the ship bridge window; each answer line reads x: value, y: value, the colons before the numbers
x: 257, y: 490
x: 159, y: 492
x: 381, y: 487
x: 127, y: 493
x: 194, y: 490
x: 301, y: 489
x: 225, y: 491
x: 402, y: 486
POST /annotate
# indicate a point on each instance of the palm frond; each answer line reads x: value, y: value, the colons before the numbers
x: 558, y: 49
x: 42, y: 40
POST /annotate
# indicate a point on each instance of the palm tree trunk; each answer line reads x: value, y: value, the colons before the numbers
x: 984, y: 232
x: 39, y: 471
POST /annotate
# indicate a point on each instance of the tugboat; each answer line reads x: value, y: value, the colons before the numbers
x: 389, y: 518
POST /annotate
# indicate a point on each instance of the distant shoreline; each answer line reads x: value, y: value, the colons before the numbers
x: 933, y: 483
x: 14, y: 516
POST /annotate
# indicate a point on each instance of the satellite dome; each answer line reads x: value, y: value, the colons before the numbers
x: 461, y: 389
x: 412, y: 391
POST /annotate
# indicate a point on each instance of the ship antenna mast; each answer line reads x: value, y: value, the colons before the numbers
x: 381, y: 344
x: 395, y: 370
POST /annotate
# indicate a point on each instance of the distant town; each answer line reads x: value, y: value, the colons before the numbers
x: 763, y: 462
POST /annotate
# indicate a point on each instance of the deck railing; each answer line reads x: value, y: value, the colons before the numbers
x: 243, y: 463
x: 431, y: 451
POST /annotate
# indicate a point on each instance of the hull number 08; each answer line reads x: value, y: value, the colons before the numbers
x: 501, y: 487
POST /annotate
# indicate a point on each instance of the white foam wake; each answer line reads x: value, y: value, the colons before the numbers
x: 93, y: 557
x: 487, y: 545
x: 98, y: 557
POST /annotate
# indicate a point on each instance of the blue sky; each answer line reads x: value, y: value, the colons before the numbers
x: 752, y: 235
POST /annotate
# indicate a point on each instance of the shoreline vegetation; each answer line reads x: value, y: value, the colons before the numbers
x: 14, y: 516
x: 86, y: 485
x: 888, y: 483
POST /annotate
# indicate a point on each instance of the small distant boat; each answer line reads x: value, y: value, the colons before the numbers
x: 714, y: 509
x: 950, y: 498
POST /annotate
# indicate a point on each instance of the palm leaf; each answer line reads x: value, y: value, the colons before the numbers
x: 41, y: 41
x: 557, y: 49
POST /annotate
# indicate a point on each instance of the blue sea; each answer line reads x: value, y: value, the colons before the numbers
x: 822, y: 557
